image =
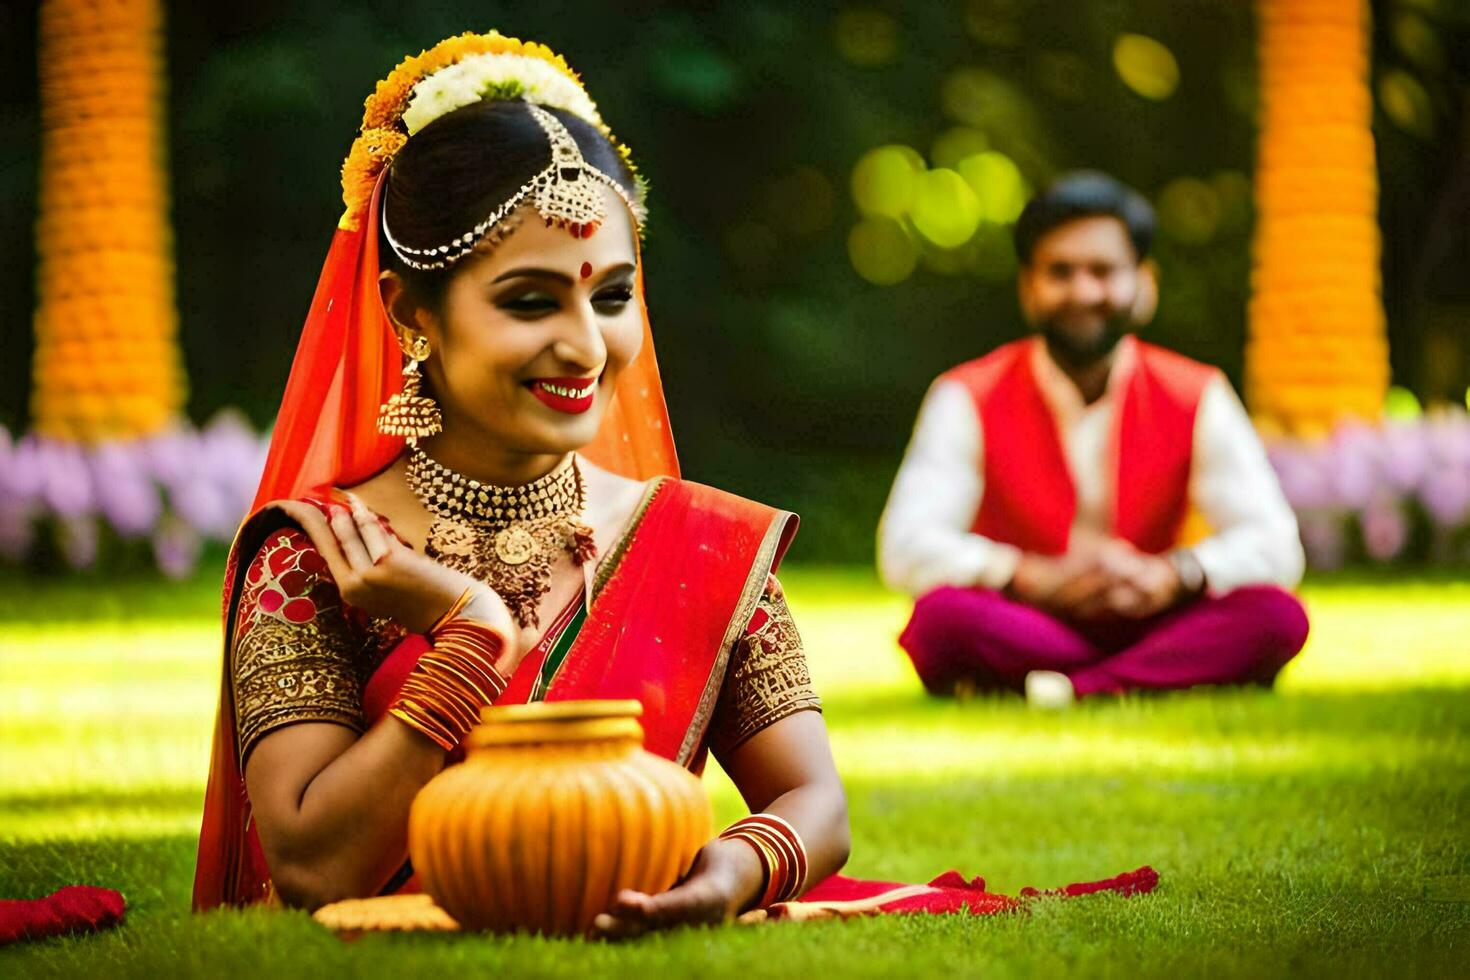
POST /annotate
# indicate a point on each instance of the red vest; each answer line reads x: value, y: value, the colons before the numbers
x: 1029, y: 500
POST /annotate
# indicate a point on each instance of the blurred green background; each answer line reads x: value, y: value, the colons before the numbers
x: 790, y: 378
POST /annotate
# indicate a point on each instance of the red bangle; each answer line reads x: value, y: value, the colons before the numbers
x: 455, y: 678
x: 782, y: 853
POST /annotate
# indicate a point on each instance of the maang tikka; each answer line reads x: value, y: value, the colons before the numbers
x: 409, y: 414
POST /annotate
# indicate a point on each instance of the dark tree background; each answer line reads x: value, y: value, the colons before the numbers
x: 790, y: 378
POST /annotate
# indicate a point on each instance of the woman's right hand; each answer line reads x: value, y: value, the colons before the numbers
x: 378, y: 573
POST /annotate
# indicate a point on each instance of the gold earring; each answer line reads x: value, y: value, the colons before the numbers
x: 408, y: 413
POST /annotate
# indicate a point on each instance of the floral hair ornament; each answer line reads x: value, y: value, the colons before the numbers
x: 478, y: 67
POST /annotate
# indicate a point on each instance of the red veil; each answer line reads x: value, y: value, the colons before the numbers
x: 347, y: 364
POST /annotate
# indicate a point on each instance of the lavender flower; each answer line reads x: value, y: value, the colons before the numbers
x: 125, y: 496
x: 1445, y: 495
x: 66, y: 483
x: 1352, y: 466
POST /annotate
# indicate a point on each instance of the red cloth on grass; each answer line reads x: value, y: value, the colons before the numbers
x: 844, y: 897
x: 75, y: 908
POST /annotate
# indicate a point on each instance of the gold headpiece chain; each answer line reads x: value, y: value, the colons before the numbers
x: 564, y: 192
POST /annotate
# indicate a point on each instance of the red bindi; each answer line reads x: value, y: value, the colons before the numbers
x: 586, y: 270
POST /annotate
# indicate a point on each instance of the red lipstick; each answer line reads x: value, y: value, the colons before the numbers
x: 570, y: 395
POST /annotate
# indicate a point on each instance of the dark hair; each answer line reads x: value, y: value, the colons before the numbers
x: 455, y: 171
x: 1084, y: 194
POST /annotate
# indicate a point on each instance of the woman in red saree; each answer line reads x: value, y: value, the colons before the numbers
x: 517, y: 533
x: 534, y: 345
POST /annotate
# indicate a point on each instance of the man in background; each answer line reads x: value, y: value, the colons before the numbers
x: 1039, y: 514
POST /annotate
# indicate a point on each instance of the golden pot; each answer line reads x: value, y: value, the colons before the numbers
x: 555, y: 809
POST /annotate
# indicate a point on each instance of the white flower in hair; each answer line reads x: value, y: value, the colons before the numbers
x: 495, y: 76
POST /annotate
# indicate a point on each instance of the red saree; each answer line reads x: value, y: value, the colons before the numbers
x: 660, y: 631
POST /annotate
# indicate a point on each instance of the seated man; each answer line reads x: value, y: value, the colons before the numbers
x: 1038, y: 512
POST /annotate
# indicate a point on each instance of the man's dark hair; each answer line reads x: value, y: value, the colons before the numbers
x: 1084, y: 194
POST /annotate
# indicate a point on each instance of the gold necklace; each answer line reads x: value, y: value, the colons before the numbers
x: 507, y: 537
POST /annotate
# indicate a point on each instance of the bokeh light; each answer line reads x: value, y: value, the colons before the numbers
x: 1401, y: 405
x: 1146, y: 66
x: 1233, y: 190
x: 885, y: 179
x: 945, y: 210
x: 1417, y: 41
x: 1189, y: 210
x: 998, y: 186
x: 1405, y: 101
x: 969, y: 95
x: 956, y: 143
x: 865, y: 36
x: 946, y: 261
x: 882, y: 250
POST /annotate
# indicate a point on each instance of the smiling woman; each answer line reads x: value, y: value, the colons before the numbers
x: 508, y: 527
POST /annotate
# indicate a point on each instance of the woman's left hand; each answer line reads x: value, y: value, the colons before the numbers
x: 726, y: 876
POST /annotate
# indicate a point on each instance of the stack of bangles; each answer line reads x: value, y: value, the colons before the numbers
x: 781, y: 851
x: 455, y: 678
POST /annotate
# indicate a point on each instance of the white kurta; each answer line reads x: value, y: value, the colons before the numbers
x: 924, y: 538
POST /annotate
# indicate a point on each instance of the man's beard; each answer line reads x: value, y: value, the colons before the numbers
x: 1076, y: 353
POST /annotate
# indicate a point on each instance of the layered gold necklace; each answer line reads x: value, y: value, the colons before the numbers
x: 507, y: 537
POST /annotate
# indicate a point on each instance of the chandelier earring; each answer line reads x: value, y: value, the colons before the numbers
x: 409, y: 414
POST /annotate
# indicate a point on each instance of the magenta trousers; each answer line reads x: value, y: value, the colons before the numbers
x: 978, y: 635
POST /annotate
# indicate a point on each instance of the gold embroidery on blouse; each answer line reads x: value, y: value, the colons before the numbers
x: 306, y: 665
x: 767, y: 679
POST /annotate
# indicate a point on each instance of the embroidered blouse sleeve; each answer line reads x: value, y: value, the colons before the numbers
x: 294, y: 656
x: 767, y: 679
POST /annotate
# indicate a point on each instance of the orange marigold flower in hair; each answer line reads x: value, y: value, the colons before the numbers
x: 371, y: 152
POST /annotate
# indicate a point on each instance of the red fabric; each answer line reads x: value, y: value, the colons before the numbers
x: 75, y: 908
x: 661, y: 626
x: 1029, y: 499
x: 950, y: 893
x: 1155, y: 433
x: 382, y: 688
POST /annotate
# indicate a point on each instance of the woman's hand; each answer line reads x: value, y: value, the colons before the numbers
x: 378, y: 573
x: 727, y: 876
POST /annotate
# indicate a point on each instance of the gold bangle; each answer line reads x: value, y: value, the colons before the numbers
x: 782, y: 852
x: 454, y: 610
x: 443, y: 694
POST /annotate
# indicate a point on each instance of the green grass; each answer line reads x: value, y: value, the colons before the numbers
x: 1320, y: 829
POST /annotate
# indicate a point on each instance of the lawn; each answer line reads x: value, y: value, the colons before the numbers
x: 1318, y: 829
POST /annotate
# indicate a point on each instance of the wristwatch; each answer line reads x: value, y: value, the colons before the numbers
x: 1191, y: 573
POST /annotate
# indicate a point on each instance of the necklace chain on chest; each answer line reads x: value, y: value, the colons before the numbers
x: 507, y: 537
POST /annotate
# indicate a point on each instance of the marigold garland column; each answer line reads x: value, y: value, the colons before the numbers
x: 107, y: 362
x: 1317, y: 349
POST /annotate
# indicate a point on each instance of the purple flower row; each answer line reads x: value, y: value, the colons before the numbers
x: 178, y: 489
x: 1378, y: 477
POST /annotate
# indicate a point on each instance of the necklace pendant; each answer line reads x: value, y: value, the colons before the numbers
x: 515, y: 545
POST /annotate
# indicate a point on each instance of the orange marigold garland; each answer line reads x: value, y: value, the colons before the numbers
x: 384, y: 132
x: 1317, y: 349
x: 107, y: 363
